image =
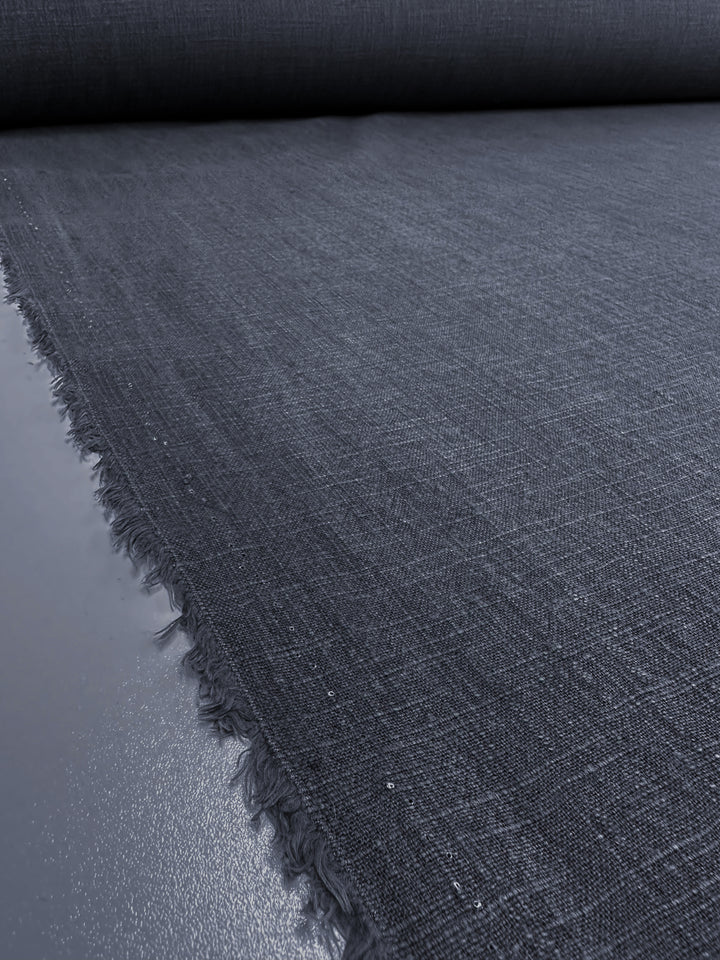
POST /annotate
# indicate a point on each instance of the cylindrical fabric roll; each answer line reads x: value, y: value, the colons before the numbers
x: 90, y: 60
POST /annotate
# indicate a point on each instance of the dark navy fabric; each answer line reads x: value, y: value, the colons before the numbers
x: 427, y: 409
x: 70, y: 60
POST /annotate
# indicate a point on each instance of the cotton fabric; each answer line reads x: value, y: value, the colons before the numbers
x: 426, y: 409
x: 104, y: 60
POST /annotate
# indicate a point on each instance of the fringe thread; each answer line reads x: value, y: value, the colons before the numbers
x: 302, y: 848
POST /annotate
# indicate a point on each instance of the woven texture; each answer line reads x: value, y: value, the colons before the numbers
x: 424, y: 409
x: 101, y: 60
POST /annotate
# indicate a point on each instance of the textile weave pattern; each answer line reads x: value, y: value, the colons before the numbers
x: 421, y: 414
x: 106, y: 60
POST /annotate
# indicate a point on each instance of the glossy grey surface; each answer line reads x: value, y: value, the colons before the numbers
x: 120, y: 836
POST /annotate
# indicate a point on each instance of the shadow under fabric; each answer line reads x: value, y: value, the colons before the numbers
x: 415, y: 415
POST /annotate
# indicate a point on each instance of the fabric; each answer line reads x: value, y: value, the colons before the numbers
x: 417, y: 415
x: 103, y: 60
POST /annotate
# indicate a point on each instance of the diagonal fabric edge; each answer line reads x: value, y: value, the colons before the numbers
x: 303, y: 849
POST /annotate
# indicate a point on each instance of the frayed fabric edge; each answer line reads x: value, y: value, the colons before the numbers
x: 302, y: 848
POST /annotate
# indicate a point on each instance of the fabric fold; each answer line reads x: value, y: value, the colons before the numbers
x: 108, y: 60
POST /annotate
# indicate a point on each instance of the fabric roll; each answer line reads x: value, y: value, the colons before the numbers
x: 104, y: 60
x: 416, y: 416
